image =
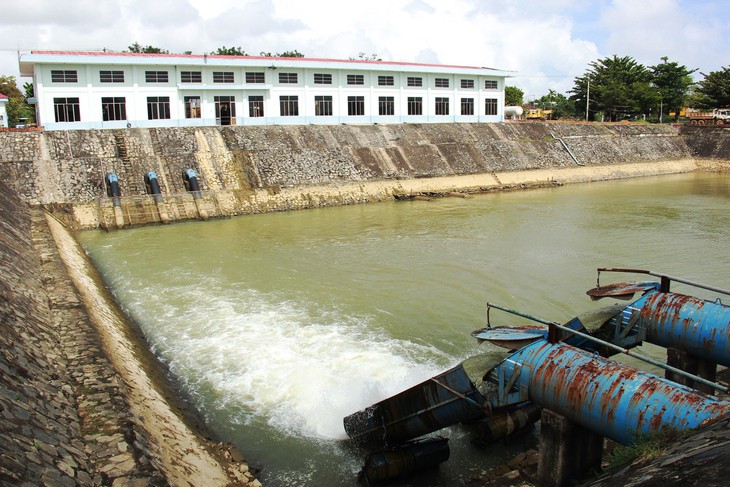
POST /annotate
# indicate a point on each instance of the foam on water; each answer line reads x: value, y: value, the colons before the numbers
x: 290, y: 363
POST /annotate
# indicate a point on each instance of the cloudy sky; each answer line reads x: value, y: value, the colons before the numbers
x: 546, y: 42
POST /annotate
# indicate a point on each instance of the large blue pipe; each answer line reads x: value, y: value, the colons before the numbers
x: 609, y: 398
x: 700, y: 327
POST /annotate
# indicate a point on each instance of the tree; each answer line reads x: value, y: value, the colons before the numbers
x: 673, y: 82
x: 560, y: 105
x: 9, y: 88
x: 618, y: 86
x: 513, y: 96
x: 714, y: 90
x: 137, y: 48
x: 29, y: 90
x: 17, y: 107
x: 293, y: 53
x: 366, y: 57
x: 230, y: 51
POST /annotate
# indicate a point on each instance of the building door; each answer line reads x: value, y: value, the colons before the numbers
x: 225, y: 110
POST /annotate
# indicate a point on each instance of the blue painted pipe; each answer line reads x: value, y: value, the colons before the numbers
x: 607, y: 397
x: 399, y: 462
x: 190, y: 178
x: 153, y: 186
x: 700, y: 327
x: 112, y: 188
x: 444, y: 400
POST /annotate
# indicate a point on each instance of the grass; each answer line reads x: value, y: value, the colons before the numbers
x: 646, y: 447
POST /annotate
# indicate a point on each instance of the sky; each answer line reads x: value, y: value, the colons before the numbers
x: 547, y: 43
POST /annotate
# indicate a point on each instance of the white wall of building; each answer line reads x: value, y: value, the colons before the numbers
x: 3, y: 112
x: 135, y: 90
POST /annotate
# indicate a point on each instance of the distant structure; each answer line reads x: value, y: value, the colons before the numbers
x: 94, y: 90
x: 3, y: 112
x: 513, y: 112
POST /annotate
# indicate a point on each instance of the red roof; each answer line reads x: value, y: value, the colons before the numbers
x: 217, y: 56
x: 3, y: 97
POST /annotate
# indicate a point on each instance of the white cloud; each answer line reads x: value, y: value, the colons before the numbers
x: 549, y: 42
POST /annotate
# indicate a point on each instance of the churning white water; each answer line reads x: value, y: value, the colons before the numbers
x: 278, y: 326
x: 298, y: 366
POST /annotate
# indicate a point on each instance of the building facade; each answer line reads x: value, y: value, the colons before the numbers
x: 93, y: 90
x: 3, y: 112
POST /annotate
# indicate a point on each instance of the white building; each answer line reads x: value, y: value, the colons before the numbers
x: 3, y: 112
x: 83, y: 90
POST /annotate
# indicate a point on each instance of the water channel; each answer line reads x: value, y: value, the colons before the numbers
x: 277, y: 326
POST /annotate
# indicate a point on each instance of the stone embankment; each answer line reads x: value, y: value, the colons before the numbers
x: 80, y: 402
x: 244, y: 170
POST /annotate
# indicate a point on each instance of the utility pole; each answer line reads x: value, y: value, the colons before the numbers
x: 588, y: 98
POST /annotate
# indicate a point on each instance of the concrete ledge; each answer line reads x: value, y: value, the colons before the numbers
x: 183, y: 457
x: 142, y: 210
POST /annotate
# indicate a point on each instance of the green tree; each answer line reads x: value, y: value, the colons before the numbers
x: 230, y: 51
x: 513, y: 96
x: 560, y: 105
x: 137, y: 48
x: 9, y: 87
x: 673, y: 82
x: 618, y: 86
x: 361, y: 56
x: 29, y: 90
x: 293, y: 53
x: 714, y: 90
x: 17, y: 107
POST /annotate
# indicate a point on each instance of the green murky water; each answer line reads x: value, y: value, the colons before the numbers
x: 276, y: 326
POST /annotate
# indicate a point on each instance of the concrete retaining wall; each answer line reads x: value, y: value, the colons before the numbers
x: 74, y: 410
x: 79, y: 403
x: 256, y: 169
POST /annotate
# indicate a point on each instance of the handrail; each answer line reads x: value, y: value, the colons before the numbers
x: 662, y: 276
x: 613, y: 347
x: 566, y: 148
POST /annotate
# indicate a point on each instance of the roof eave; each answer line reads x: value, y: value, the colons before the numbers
x: 27, y: 61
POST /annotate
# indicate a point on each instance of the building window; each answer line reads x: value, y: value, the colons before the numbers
x: 67, y: 109
x: 113, y: 108
x: 386, y: 81
x: 442, y: 106
x: 155, y: 76
x: 288, y: 78
x: 193, y: 108
x: 323, y: 106
x: 158, y: 107
x: 490, y: 106
x: 223, y: 77
x: 111, y: 77
x: 289, y: 106
x: 415, y: 105
x: 490, y: 84
x: 256, y: 106
x: 414, y: 81
x: 255, y: 77
x: 322, y: 79
x: 467, y: 106
x: 356, y: 105
x: 467, y: 84
x: 355, y: 79
x: 225, y: 109
x: 191, y: 77
x: 60, y: 76
x: 441, y: 82
x: 386, y: 105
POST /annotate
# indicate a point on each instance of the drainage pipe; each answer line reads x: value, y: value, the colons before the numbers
x: 615, y: 348
x: 566, y: 148
x: 605, y: 396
